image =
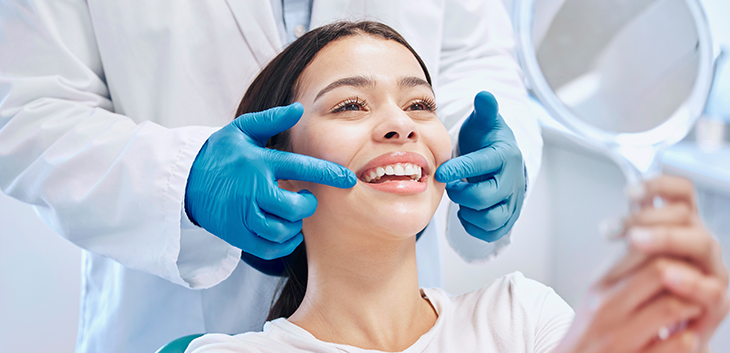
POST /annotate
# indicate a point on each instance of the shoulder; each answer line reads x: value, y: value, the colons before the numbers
x: 513, y: 288
x: 220, y: 343
x: 529, y: 295
x: 512, y: 313
x: 514, y: 298
x: 272, y: 339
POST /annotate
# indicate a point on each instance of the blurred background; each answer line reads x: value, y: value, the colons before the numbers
x: 556, y: 241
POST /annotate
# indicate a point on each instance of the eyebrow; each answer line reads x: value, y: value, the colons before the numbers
x: 356, y: 81
x: 412, y: 81
x: 360, y: 81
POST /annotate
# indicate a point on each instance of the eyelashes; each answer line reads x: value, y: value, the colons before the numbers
x: 356, y: 104
x: 347, y: 105
x: 427, y: 102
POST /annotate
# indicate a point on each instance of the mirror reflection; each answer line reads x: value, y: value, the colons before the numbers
x: 621, y: 65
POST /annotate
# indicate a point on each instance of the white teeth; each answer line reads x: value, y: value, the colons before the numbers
x: 402, y: 169
x: 410, y: 170
x: 399, y: 170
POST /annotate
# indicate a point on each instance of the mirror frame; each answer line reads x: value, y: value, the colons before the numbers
x: 669, y: 132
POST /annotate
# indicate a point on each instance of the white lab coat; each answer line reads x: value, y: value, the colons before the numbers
x: 104, y: 106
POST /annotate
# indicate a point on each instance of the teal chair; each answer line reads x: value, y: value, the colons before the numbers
x: 179, y: 345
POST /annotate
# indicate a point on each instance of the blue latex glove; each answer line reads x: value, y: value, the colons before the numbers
x: 232, y: 190
x: 491, y: 201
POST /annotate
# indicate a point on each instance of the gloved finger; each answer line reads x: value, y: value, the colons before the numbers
x: 481, y: 162
x: 488, y: 236
x: 292, y: 166
x: 489, y: 219
x: 270, y: 227
x: 291, y: 206
x: 268, y: 250
x: 487, y: 112
x: 262, y: 125
x: 478, y: 196
x: 476, y: 132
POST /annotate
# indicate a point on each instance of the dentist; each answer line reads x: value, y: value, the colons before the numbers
x: 110, y: 126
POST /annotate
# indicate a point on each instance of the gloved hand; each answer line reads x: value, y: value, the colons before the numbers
x: 491, y: 162
x: 232, y: 190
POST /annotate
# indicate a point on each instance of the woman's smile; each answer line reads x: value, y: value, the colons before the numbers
x: 396, y: 172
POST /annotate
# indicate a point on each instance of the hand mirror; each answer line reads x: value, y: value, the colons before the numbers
x: 629, y: 75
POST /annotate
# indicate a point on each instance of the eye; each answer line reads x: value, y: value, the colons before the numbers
x: 351, y: 104
x: 425, y: 103
x: 418, y: 106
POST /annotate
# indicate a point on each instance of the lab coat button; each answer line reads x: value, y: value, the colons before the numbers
x: 299, y: 31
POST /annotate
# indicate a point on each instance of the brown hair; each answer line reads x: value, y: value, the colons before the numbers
x: 277, y: 85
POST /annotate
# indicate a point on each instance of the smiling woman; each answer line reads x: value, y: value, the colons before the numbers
x: 369, y: 106
x: 352, y: 284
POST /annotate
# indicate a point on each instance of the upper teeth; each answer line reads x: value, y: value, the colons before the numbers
x: 394, y: 169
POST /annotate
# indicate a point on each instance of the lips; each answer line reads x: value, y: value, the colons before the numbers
x: 396, y: 172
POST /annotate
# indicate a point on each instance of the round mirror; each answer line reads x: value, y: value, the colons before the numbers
x: 628, y: 74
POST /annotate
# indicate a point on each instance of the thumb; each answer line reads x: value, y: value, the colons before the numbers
x: 484, y: 116
x: 482, y: 120
x: 262, y: 125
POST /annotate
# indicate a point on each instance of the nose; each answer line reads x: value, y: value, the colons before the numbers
x: 396, y: 127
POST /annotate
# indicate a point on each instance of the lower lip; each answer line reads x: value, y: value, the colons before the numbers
x: 401, y: 186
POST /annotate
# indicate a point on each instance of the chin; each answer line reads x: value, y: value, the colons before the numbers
x: 403, y: 221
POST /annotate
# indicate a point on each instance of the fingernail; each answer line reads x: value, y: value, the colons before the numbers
x: 610, y: 228
x: 636, y: 192
x: 640, y: 235
x: 675, y: 277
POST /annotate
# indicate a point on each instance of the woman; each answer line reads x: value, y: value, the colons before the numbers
x: 369, y: 106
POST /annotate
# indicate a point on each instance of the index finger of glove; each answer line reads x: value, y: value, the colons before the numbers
x: 262, y: 125
x: 291, y: 206
x: 292, y: 166
x: 484, y: 161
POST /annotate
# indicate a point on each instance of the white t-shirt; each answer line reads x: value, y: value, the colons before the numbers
x: 512, y: 314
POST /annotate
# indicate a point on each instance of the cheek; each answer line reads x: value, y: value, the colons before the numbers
x: 439, y: 142
x: 319, y: 141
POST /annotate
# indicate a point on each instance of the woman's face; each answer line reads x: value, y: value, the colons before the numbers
x: 368, y: 107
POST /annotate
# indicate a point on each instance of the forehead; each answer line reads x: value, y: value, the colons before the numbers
x: 361, y: 55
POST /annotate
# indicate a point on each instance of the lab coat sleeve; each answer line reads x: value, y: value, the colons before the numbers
x: 106, y: 183
x: 477, y: 54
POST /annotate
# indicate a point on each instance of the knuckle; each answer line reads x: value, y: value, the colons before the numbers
x: 712, y: 247
x: 687, y: 342
x: 724, y: 306
x: 512, y: 151
x: 717, y: 294
x: 685, y: 212
x: 672, y: 310
x: 659, y: 266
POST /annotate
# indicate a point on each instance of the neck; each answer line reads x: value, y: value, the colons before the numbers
x: 363, y: 291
